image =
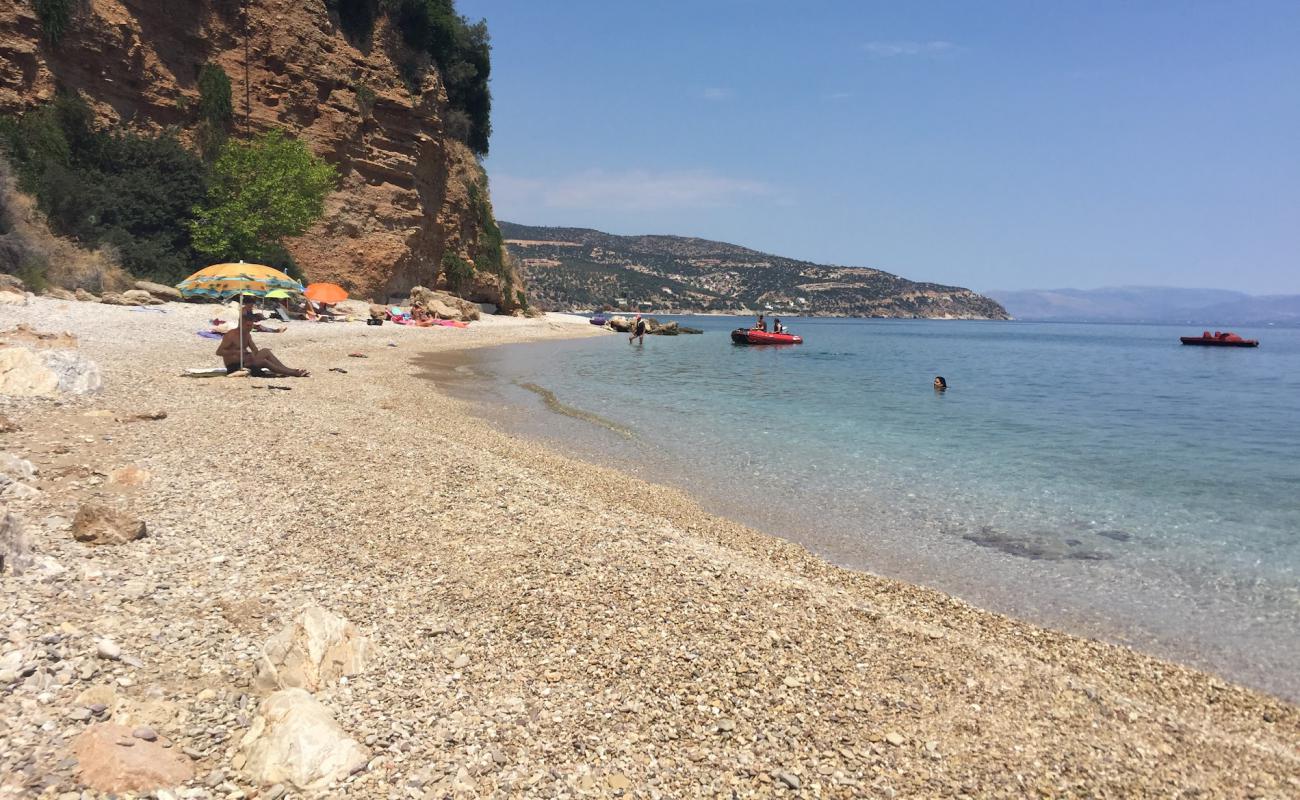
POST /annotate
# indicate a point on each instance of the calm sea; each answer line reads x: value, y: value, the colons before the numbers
x: 1102, y: 479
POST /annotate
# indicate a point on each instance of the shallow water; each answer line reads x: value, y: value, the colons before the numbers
x: 1098, y: 478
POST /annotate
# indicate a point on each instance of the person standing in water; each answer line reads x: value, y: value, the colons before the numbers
x: 638, y: 330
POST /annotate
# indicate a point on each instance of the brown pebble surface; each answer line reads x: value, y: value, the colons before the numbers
x: 540, y: 627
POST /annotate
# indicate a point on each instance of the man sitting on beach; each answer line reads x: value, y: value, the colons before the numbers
x: 255, y: 359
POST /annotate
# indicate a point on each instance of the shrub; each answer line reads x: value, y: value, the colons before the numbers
x: 29, y: 250
x: 355, y: 17
x: 104, y: 187
x: 462, y: 52
x: 214, y: 96
x: 54, y: 16
x: 491, y: 243
x: 215, y: 110
x: 260, y: 192
x: 365, y: 100
x: 458, y: 272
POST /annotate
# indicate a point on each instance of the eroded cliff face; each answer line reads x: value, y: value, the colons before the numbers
x: 403, y: 199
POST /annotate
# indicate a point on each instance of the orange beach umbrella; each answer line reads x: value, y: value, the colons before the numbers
x: 326, y: 293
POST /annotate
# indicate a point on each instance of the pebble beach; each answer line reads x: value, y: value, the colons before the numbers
x: 533, y: 626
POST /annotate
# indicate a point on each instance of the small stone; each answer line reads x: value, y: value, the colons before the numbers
x: 618, y: 782
x: 726, y: 725
x: 896, y: 739
x: 146, y: 733
x: 275, y: 792
x: 789, y: 779
x: 107, y: 648
x: 80, y: 714
x: 461, y: 662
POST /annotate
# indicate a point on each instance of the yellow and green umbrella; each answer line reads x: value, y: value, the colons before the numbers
x: 223, y: 280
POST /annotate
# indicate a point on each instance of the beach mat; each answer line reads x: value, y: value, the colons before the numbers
x: 204, y: 372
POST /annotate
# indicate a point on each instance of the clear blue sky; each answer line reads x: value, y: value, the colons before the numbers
x: 987, y: 144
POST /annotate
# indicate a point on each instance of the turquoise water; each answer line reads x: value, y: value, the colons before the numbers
x: 1098, y: 478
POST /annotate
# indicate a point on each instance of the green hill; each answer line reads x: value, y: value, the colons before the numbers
x: 580, y: 268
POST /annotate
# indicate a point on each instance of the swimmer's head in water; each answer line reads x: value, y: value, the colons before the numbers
x: 940, y: 383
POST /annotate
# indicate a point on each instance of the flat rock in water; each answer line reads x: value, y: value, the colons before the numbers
x: 104, y: 764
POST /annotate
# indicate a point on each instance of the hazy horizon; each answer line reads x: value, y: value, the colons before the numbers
x: 1013, y: 145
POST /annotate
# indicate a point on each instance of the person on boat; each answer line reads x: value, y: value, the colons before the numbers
x: 638, y: 330
x: 940, y: 385
x: 777, y: 327
x: 761, y: 325
x: 255, y: 359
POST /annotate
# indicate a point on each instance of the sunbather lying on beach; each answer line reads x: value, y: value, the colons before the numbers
x: 255, y: 359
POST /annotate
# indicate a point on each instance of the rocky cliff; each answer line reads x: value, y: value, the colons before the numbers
x: 409, y: 192
x: 579, y: 268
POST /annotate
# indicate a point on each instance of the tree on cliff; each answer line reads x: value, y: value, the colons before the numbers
x: 258, y: 193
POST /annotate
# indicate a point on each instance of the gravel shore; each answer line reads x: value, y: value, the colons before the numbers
x: 539, y: 627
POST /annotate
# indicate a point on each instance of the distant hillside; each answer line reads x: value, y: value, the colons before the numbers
x: 1150, y: 304
x: 579, y: 268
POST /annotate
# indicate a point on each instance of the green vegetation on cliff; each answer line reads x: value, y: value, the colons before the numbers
x: 432, y: 31
x: 153, y: 201
x: 106, y: 187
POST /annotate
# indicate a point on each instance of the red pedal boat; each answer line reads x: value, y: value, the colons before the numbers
x: 755, y: 336
x: 1219, y: 339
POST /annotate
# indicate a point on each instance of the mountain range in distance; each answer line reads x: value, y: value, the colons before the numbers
x: 1149, y: 304
x: 583, y: 269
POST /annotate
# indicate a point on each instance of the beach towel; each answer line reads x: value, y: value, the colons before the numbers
x: 148, y: 308
x: 204, y: 372
x: 209, y: 334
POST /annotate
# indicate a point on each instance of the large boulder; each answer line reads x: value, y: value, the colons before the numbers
x: 77, y: 375
x: 110, y: 759
x: 23, y: 373
x: 8, y: 298
x: 619, y: 323
x: 102, y: 525
x: 85, y: 296
x: 159, y: 291
x: 295, y: 740
x: 28, y: 373
x: 12, y: 283
x: 59, y: 293
x: 314, y: 650
x: 452, y: 306
x: 131, y: 297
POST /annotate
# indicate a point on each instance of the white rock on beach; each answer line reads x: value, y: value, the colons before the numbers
x: 27, y: 373
x: 23, y: 373
x: 295, y: 740
x: 315, y: 649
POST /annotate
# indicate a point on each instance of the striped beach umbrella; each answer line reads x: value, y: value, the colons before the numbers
x: 223, y: 280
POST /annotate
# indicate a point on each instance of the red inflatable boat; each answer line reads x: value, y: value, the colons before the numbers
x: 755, y: 336
x: 1219, y: 339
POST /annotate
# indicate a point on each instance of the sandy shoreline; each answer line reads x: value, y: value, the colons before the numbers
x: 541, y: 627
